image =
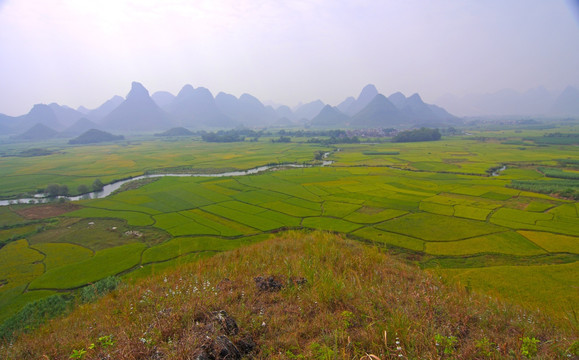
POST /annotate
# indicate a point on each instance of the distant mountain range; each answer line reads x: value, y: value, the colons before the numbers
x: 374, y: 110
x: 197, y: 108
x: 534, y: 102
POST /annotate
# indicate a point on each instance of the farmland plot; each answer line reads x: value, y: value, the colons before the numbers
x: 432, y: 200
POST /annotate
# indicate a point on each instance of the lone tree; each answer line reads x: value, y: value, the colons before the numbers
x: 319, y: 155
x: 54, y: 190
x: 63, y: 190
x: 82, y: 189
x: 97, y: 185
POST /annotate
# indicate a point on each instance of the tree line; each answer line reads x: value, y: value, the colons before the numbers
x: 54, y: 190
x: 422, y: 134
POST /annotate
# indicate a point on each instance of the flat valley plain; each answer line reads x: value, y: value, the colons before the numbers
x: 434, y: 204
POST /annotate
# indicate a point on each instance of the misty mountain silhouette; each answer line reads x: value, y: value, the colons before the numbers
x: 94, y: 136
x: 8, y: 124
x: 37, y: 132
x: 106, y: 108
x: 39, y: 114
x: 80, y: 126
x: 196, y: 108
x: 137, y: 113
x: 309, y: 111
x: 284, y: 111
x: 5, y: 127
x: 253, y: 113
x: 418, y: 112
x: 247, y: 110
x: 567, y: 103
x: 163, y: 98
x: 367, y: 94
x: 176, y: 131
x: 344, y: 105
x: 538, y: 101
x: 380, y: 112
x: 330, y: 116
x: 64, y: 115
x: 283, y: 122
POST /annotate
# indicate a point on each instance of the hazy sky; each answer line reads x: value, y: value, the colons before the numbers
x: 81, y: 52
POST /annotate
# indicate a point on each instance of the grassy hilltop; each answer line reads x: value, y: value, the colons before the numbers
x: 297, y: 296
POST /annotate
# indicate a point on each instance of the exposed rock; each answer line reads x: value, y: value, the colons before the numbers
x: 269, y: 284
x: 298, y: 281
x: 216, y: 327
x: 203, y: 355
x: 245, y: 345
x: 225, y: 349
x: 227, y: 323
x: 165, y: 312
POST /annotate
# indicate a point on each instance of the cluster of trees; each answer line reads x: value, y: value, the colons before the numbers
x: 314, y: 133
x: 422, y: 134
x: 282, y: 139
x: 222, y: 137
x: 97, y: 185
x: 556, y: 138
x: 35, y: 152
x: 565, y: 188
x: 558, y: 134
x: 319, y: 155
x: 54, y: 190
x: 558, y: 173
x: 451, y: 131
x: 235, y: 135
x: 568, y: 162
x: 336, y: 140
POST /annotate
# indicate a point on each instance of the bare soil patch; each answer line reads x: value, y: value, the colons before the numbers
x: 46, y: 211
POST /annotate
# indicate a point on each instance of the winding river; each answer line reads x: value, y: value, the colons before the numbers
x: 499, y: 171
x: 112, y: 187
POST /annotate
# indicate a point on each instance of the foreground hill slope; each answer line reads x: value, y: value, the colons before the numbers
x: 298, y: 296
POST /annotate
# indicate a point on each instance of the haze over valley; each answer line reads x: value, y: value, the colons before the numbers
x: 198, y: 108
x: 292, y: 179
x: 502, y: 58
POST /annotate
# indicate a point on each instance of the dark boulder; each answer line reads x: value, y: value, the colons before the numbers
x: 245, y: 345
x: 228, y: 323
x: 225, y: 349
x: 269, y: 284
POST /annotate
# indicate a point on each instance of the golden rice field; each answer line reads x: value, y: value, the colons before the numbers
x: 429, y: 201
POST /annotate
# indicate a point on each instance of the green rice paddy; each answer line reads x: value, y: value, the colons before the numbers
x: 434, y: 200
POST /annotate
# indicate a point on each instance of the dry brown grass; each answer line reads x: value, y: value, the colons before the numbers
x: 46, y: 211
x: 357, y: 303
